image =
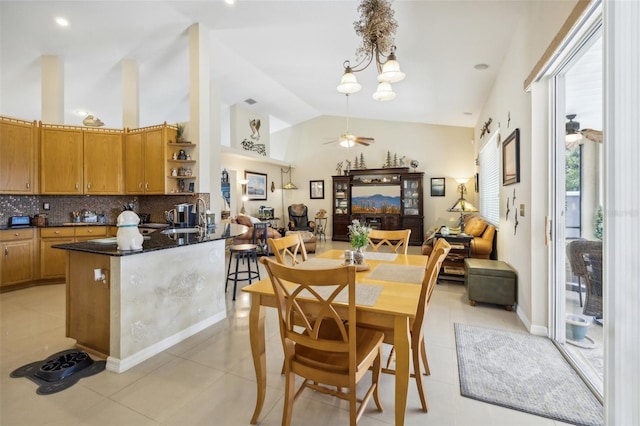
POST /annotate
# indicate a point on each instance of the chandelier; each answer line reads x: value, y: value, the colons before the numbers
x: 377, y: 27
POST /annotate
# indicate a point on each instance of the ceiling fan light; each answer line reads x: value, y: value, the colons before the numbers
x: 391, y: 72
x: 348, y: 83
x: 384, y: 92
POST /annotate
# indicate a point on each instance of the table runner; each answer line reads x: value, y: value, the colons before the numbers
x: 380, y: 256
x: 366, y: 294
x: 398, y: 273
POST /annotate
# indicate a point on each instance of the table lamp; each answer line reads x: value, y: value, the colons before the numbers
x: 462, y: 205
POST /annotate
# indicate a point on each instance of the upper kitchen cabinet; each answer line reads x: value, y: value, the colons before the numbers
x: 18, y: 156
x: 61, y: 160
x: 144, y: 159
x: 102, y: 162
x: 76, y: 161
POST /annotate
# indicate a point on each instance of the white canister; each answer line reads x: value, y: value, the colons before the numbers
x: 129, y: 236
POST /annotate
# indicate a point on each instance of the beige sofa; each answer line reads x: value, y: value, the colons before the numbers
x: 483, y: 234
x: 247, y: 237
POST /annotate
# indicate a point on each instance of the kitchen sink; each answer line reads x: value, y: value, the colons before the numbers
x: 172, y: 231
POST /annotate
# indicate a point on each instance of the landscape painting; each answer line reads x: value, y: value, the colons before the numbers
x: 375, y: 200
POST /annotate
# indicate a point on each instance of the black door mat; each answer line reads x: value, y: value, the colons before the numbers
x: 60, y: 371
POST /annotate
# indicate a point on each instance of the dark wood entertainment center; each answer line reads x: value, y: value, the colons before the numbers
x: 400, y: 208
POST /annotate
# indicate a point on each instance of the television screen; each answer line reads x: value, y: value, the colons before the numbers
x: 375, y: 199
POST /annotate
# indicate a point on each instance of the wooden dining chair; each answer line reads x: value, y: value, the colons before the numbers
x: 286, y: 249
x: 321, y: 345
x: 418, y: 349
x: 393, y: 239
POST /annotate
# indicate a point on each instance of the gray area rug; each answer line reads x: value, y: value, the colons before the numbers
x: 523, y: 372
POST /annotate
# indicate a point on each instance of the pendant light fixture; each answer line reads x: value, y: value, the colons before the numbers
x: 377, y: 27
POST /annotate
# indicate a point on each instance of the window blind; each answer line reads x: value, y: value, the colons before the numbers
x: 489, y: 177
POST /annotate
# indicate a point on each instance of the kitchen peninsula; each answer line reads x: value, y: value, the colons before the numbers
x: 131, y: 305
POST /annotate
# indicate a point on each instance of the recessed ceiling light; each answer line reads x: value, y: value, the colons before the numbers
x: 250, y: 101
x: 467, y: 113
x: 62, y: 21
x: 231, y: 2
x: 481, y: 66
x: 82, y: 113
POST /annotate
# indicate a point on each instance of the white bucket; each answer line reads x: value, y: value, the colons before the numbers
x: 576, y: 327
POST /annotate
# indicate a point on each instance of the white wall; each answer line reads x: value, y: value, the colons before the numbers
x: 442, y: 151
x: 524, y: 249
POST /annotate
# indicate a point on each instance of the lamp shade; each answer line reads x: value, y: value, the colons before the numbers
x: 391, y: 72
x: 384, y: 92
x: 289, y: 185
x: 348, y: 83
x: 462, y: 206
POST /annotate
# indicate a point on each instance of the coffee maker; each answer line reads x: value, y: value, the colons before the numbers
x: 182, y: 216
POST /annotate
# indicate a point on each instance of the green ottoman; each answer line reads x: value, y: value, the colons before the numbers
x: 490, y: 281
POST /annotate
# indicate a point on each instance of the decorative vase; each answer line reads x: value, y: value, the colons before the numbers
x: 358, y: 256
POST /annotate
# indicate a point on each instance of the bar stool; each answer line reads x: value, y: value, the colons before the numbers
x: 242, y: 251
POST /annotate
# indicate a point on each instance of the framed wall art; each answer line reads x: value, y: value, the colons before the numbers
x: 437, y: 187
x: 316, y: 189
x: 256, y: 186
x: 511, y: 159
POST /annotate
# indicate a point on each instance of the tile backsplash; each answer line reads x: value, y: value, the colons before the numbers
x: 61, y: 207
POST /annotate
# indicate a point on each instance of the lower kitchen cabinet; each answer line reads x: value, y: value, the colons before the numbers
x: 18, y: 253
x: 53, y: 262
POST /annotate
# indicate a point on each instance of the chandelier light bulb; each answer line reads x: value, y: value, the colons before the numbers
x: 384, y: 92
x: 348, y: 83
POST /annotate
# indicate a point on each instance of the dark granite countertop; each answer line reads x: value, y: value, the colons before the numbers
x: 157, y: 241
x: 58, y: 225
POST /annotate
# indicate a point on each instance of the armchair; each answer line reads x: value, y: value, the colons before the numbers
x: 299, y: 218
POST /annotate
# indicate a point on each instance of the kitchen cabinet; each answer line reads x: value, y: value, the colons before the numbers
x: 181, y: 164
x: 76, y: 161
x: 102, y: 161
x: 144, y: 160
x: 18, y: 159
x: 16, y: 262
x: 53, y: 262
x: 61, y: 160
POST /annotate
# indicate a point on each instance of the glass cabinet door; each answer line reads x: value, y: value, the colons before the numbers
x: 341, y: 197
x: 411, y: 196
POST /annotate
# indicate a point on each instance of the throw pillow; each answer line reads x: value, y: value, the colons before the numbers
x: 475, y: 226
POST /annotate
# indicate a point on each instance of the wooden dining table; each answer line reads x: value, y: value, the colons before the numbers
x: 395, y: 306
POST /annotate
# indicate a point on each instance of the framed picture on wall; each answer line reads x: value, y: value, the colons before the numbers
x: 256, y: 186
x: 316, y: 189
x: 511, y: 159
x: 437, y: 187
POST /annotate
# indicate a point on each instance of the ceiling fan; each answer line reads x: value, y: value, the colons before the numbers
x: 348, y: 139
x: 575, y: 135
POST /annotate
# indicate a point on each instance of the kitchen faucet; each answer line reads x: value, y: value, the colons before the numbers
x: 202, y: 219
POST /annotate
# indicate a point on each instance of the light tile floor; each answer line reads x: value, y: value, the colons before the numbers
x: 208, y: 379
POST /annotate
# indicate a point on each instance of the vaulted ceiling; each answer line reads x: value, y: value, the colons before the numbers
x: 287, y: 55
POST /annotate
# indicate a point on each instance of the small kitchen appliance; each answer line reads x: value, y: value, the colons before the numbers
x: 19, y: 221
x: 182, y: 216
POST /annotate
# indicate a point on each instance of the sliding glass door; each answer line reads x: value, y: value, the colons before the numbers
x: 577, y: 213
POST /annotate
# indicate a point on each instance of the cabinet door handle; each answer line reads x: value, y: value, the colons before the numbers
x: 56, y: 232
x: 89, y: 186
x: 28, y: 185
x: 89, y: 231
x: 17, y: 234
x: 146, y: 186
x: 6, y: 251
x: 77, y: 186
x: 140, y: 185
